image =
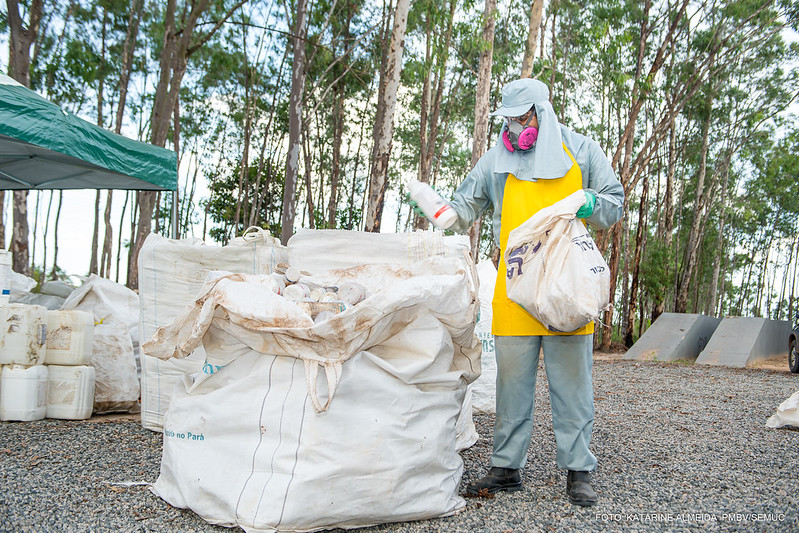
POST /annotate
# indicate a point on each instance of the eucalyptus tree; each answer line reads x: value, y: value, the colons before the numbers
x: 135, y: 13
x: 536, y: 14
x: 744, y: 92
x: 427, y: 71
x: 299, y: 33
x: 391, y: 65
x: 88, y: 57
x: 339, y: 70
x: 767, y: 209
x: 483, y: 95
x: 23, y: 35
x: 179, y: 42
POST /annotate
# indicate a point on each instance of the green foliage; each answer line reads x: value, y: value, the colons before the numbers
x: 221, y: 206
x: 240, y: 78
x: 655, y: 267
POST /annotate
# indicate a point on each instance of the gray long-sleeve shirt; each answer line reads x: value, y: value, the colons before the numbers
x: 485, y: 185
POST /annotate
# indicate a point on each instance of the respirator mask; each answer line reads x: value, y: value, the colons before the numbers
x: 518, y: 136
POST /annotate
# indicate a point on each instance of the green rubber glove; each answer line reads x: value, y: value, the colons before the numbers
x: 588, y: 208
x: 414, y: 205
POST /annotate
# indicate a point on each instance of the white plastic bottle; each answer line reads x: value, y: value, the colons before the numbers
x: 435, y: 208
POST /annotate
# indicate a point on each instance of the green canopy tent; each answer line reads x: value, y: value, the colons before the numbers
x: 44, y: 147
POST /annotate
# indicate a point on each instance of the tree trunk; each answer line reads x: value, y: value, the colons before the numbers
x: 335, y: 168
x: 536, y: 13
x: 95, y: 234
x: 694, y: 236
x: 554, y: 39
x: 640, y: 242
x: 423, y: 174
x: 482, y: 100
x: 384, y: 122
x: 668, y: 215
x: 122, y: 221
x: 21, y: 40
x: 613, y: 264
x: 19, y: 238
x: 54, y: 271
x: 128, y: 49
x: 792, y: 299
x: 177, y: 47
x: 714, y: 285
x: 105, y: 257
x: 244, y: 170
x: 93, y: 269
x: 641, y: 90
x: 188, y: 201
x: 431, y: 103
x: 255, y: 215
x: 308, y: 192
x: 32, y: 267
x: 338, y: 128
x: 46, y: 232
x: 295, y: 122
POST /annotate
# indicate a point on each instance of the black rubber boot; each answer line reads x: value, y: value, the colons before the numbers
x: 578, y: 487
x: 497, y: 479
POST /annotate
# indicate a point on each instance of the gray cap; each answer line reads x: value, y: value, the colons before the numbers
x: 519, y: 96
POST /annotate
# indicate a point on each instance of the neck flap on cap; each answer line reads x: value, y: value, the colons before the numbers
x: 547, y: 159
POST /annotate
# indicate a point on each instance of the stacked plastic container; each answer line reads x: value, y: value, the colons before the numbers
x: 71, y: 377
x: 23, y: 383
x: 45, y: 360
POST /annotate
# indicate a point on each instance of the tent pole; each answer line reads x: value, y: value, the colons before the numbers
x: 175, y: 213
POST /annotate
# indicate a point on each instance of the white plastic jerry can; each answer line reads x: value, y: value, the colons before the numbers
x: 23, y: 394
x: 70, y: 334
x: 70, y: 394
x: 23, y: 334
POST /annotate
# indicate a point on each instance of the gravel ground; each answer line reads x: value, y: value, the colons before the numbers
x: 680, y: 447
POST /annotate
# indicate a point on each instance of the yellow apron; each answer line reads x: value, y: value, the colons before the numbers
x: 520, y: 201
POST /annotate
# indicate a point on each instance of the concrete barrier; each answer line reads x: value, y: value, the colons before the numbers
x: 674, y: 337
x: 739, y: 341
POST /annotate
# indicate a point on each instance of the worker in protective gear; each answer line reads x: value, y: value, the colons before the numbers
x: 535, y: 163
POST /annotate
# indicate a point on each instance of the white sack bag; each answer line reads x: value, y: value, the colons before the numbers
x: 326, y: 251
x: 787, y: 413
x: 484, y: 388
x: 554, y: 268
x: 171, y: 274
x: 322, y: 250
x: 116, y: 314
x: 347, y: 422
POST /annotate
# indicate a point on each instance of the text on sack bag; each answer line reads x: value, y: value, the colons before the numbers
x: 586, y: 244
x: 516, y: 259
x: 188, y: 435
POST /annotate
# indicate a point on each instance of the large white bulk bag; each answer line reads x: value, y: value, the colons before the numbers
x: 171, y: 273
x: 321, y: 250
x: 484, y: 388
x: 342, y: 423
x: 317, y: 251
x: 115, y: 309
